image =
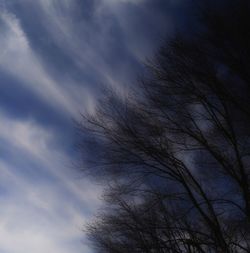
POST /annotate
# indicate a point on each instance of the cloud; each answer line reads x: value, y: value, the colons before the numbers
x: 82, y: 45
x: 40, y: 144
x: 18, y: 59
x: 37, y: 219
x: 40, y: 216
x: 62, y: 52
x: 113, y: 2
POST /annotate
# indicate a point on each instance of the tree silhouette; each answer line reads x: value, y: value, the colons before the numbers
x: 176, y: 153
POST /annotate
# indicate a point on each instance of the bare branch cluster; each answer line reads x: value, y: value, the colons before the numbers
x: 176, y: 154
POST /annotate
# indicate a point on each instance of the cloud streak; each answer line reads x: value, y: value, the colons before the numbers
x: 40, y: 215
x: 55, y: 56
x: 18, y: 59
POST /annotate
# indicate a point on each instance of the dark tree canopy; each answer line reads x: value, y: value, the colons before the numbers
x: 176, y: 153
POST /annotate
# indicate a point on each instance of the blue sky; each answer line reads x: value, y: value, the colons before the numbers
x: 55, y: 57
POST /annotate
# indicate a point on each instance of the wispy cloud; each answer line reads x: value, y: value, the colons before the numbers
x: 60, y: 52
x: 18, y: 59
x: 38, y: 215
x: 32, y: 218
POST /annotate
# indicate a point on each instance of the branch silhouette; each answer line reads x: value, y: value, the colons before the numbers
x: 176, y: 153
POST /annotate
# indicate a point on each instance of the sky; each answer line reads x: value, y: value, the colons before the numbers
x: 55, y: 58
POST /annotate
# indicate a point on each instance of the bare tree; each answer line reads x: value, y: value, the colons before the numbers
x: 176, y: 152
